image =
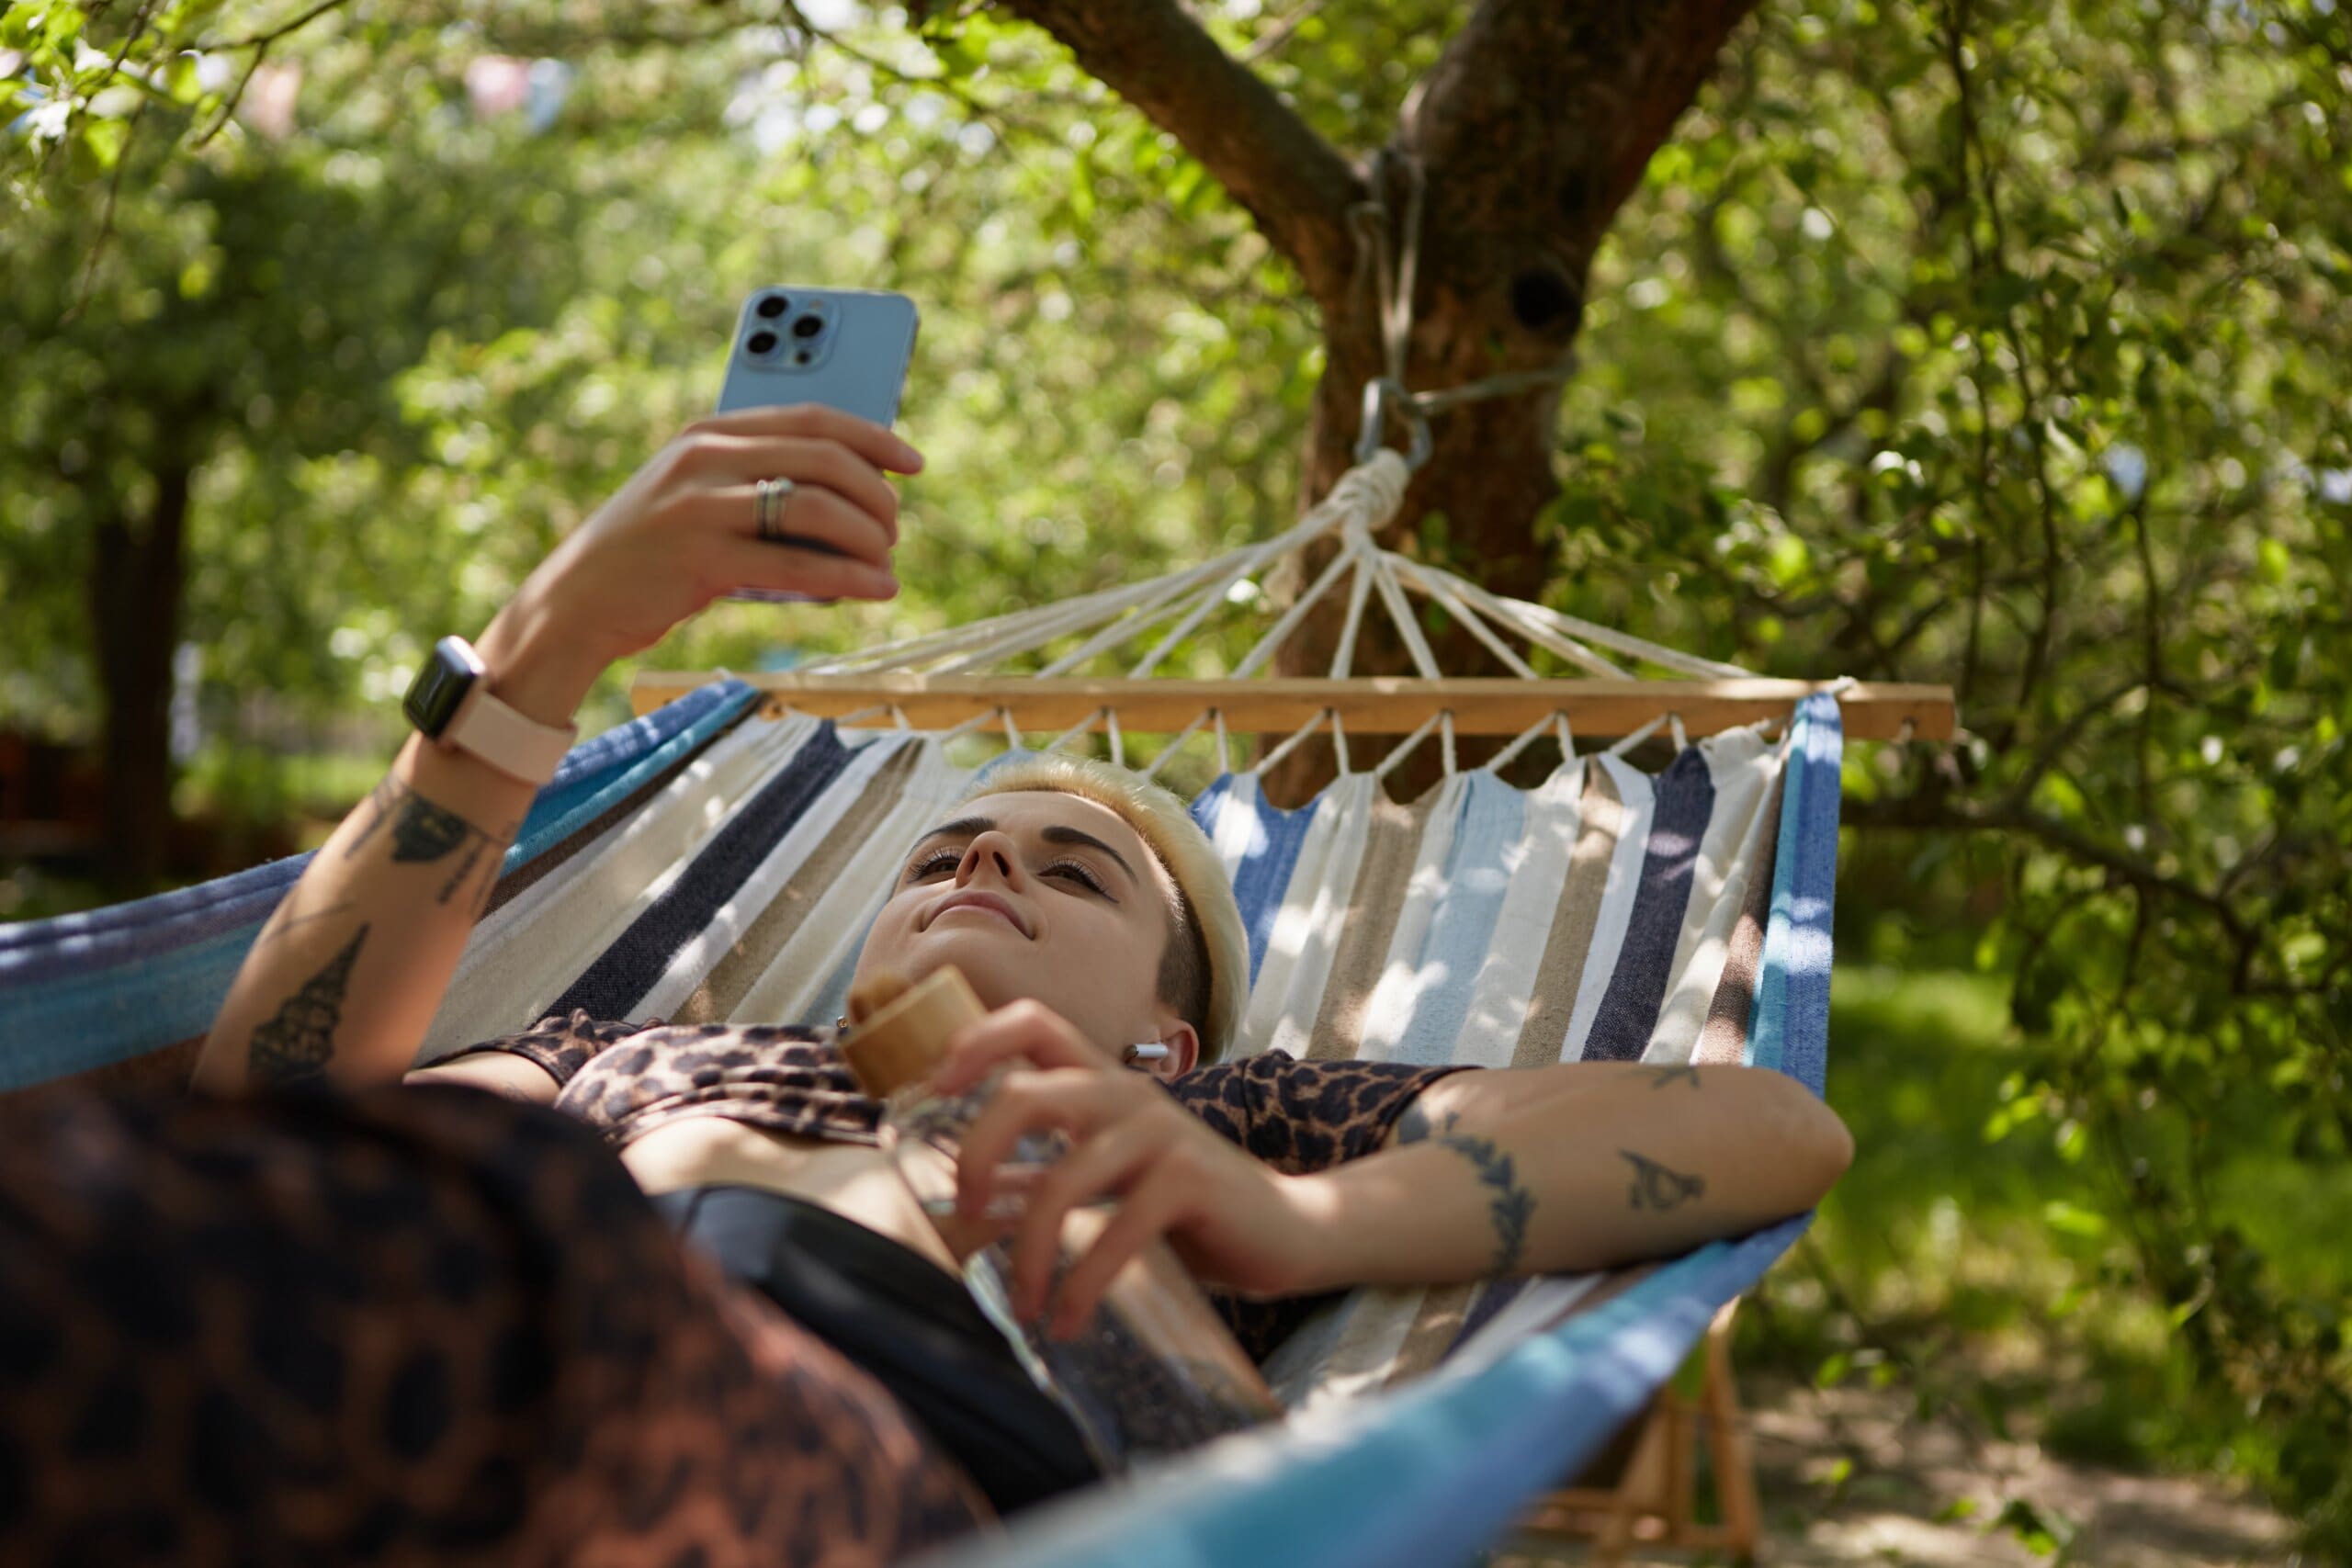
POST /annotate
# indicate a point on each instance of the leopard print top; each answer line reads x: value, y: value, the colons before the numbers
x: 627, y: 1079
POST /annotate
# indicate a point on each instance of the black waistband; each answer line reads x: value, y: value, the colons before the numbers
x: 909, y: 1323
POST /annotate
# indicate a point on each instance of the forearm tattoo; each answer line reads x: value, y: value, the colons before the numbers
x: 424, y: 832
x: 294, y: 1046
x: 1656, y: 1187
x: 1662, y: 1074
x: 1513, y: 1204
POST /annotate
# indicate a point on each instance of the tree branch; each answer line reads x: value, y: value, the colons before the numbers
x: 1935, y: 811
x: 1293, y: 182
x: 1601, y: 83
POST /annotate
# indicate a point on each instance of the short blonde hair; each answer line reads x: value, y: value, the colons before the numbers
x: 1206, y: 923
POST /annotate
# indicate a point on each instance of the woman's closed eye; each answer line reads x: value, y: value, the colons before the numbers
x: 1078, y: 871
x: 938, y: 860
x: 933, y: 864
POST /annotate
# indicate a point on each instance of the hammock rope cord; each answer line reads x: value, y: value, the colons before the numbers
x: 1364, y: 498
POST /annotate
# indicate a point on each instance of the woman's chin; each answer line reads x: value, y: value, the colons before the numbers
x: 988, y: 952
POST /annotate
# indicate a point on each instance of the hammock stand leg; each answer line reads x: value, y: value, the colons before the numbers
x: 1652, y: 1496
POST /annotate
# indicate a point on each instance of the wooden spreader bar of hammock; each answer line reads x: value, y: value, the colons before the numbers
x: 1368, y: 704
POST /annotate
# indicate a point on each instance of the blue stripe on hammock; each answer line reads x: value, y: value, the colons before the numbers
x: 1488, y: 821
x: 1264, y: 876
x: 1433, y: 1472
x: 89, y: 990
x: 622, y: 762
x: 1628, y: 1012
x: 1210, y: 801
x: 618, y: 978
x: 1792, y: 1016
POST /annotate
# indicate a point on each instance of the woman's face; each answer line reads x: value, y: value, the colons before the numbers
x: 1043, y: 895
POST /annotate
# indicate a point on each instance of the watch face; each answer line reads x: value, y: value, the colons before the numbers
x: 433, y: 697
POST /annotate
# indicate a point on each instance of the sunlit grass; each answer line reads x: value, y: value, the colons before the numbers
x: 1991, y: 1275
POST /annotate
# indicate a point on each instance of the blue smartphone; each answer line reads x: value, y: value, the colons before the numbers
x: 847, y: 349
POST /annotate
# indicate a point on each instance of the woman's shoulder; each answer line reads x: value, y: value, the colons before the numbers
x: 1305, y: 1115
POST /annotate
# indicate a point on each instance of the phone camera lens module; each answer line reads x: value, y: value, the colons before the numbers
x: 772, y: 307
x: 761, y: 342
x: 807, y: 327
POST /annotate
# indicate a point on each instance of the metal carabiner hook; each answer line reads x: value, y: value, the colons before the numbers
x: 1374, y: 429
x: 1382, y: 396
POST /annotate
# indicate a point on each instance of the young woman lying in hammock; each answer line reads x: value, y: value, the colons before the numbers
x: 428, y: 1318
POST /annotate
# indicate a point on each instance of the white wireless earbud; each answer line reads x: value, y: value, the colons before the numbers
x: 1152, y: 1052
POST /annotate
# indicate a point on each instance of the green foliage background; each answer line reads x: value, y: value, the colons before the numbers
x: 1986, y: 343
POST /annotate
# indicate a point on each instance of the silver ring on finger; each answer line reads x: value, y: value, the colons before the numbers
x: 768, y: 501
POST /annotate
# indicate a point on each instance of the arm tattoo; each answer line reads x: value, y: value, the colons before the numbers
x: 293, y: 1047
x: 1513, y: 1206
x: 1414, y: 1126
x: 1656, y: 1187
x: 424, y: 832
x: 1662, y: 1074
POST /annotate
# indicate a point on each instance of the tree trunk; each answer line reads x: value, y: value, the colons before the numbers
x: 1532, y: 130
x: 134, y: 589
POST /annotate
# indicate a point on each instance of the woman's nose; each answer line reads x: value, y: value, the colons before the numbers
x: 993, y: 852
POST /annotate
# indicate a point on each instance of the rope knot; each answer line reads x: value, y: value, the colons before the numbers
x: 1370, y: 493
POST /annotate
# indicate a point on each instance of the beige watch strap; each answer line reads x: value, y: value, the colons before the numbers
x: 520, y: 748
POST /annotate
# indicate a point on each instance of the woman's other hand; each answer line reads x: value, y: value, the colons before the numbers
x: 1232, y: 1220
x: 684, y: 531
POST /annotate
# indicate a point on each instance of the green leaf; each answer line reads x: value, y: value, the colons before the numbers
x: 2071, y: 1219
x: 1787, y: 560
x: 105, y: 138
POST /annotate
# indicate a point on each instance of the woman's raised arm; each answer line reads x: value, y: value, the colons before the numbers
x: 347, y: 974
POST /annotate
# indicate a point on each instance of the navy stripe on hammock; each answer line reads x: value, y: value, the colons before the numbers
x: 618, y: 979
x: 1629, y: 1008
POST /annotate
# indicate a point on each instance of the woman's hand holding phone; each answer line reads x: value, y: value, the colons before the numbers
x: 684, y: 530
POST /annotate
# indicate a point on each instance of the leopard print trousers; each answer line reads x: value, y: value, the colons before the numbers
x: 409, y: 1325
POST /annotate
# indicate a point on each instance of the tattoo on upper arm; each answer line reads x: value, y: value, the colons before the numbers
x: 1513, y: 1204
x: 424, y: 832
x: 1414, y: 1126
x: 1656, y: 1187
x: 1662, y: 1074
x: 294, y: 1046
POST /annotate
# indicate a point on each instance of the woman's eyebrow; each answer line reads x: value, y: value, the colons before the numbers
x: 962, y: 827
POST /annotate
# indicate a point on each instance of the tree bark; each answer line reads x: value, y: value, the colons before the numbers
x: 134, y: 591
x: 1532, y: 130
x: 1534, y: 127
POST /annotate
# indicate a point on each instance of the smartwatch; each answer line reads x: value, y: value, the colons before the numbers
x: 450, y: 704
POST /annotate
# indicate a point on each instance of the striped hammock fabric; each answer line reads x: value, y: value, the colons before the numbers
x: 701, y: 867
